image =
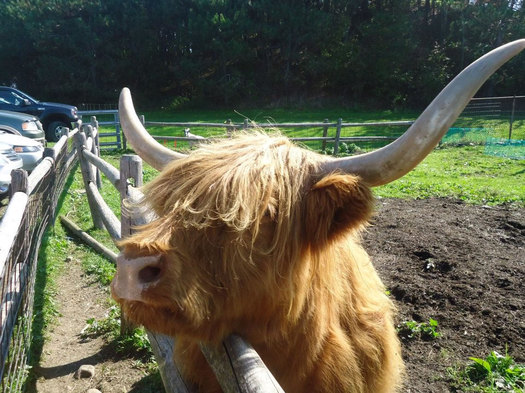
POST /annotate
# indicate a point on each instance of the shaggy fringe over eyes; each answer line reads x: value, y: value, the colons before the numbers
x: 237, y: 183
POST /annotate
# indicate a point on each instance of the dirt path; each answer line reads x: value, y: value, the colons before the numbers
x: 78, y: 299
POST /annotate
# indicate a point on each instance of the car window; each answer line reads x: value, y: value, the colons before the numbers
x: 6, y: 97
x: 10, y: 97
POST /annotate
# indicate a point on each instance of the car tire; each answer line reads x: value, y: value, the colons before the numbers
x: 54, y: 130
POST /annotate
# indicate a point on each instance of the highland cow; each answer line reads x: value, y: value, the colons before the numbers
x: 259, y: 237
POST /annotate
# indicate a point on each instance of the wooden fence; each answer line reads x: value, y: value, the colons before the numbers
x: 107, y: 117
x: 32, y: 208
x: 326, y: 126
x: 335, y: 138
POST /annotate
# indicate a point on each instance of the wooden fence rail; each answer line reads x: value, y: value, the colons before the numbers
x: 114, y: 121
x: 336, y: 139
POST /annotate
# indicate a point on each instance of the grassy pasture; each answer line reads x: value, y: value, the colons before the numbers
x: 465, y: 173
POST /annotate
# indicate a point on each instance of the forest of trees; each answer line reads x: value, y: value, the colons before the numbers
x: 383, y: 53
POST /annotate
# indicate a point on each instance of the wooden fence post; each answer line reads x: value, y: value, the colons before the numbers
x: 130, y: 168
x: 337, y: 136
x: 116, y: 119
x: 96, y: 147
x: 87, y: 129
x: 229, y: 128
x: 325, y: 133
x: 87, y: 175
x: 19, y: 182
x: 512, y: 115
x: 52, y: 154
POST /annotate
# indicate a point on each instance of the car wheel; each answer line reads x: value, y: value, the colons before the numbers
x: 55, y: 130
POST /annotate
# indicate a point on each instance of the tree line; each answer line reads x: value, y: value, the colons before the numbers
x: 258, y: 52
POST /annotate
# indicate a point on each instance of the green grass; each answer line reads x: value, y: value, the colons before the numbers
x: 109, y: 327
x: 465, y: 173
x: 278, y: 115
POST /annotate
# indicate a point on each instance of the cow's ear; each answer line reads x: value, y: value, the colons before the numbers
x: 336, y: 204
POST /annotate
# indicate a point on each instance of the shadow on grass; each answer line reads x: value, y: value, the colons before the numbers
x: 149, y: 384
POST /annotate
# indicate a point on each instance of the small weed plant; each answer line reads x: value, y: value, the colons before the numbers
x: 135, y: 343
x: 423, y: 330
x: 495, y: 373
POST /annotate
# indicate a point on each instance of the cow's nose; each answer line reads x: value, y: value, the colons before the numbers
x: 134, y: 275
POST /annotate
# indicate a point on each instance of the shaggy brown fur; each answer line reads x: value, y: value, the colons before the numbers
x: 253, y: 243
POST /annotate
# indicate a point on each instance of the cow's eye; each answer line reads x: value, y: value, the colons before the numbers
x: 270, y: 212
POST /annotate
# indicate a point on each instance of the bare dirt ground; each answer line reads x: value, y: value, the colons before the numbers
x: 461, y: 265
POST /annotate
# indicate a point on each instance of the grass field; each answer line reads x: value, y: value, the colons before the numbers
x: 465, y: 173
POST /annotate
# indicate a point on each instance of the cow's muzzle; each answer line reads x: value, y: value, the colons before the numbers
x: 135, y: 275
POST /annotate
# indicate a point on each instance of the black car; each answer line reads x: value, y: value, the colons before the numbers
x: 52, y: 115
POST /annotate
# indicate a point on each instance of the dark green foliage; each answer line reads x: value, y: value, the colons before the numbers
x: 231, y: 52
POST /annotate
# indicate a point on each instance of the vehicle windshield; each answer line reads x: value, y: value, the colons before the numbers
x: 14, y: 97
x: 25, y: 95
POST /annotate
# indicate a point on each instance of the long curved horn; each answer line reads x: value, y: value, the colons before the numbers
x: 146, y: 147
x: 399, y: 157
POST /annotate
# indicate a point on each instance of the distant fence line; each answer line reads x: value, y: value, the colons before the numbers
x: 336, y: 139
x: 507, y: 107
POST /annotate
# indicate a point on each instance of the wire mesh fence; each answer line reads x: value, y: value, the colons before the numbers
x: 507, y: 148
